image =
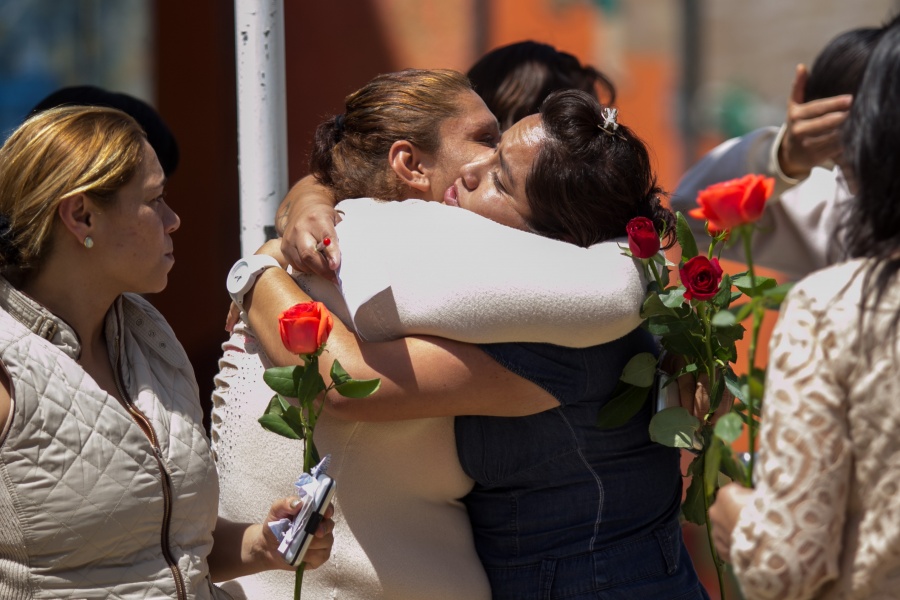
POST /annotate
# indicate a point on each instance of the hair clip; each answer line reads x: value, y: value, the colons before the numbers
x: 609, y: 126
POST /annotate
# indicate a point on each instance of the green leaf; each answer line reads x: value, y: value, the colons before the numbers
x: 277, y: 406
x: 640, y: 370
x: 734, y: 385
x: 358, y: 388
x: 743, y: 311
x: 673, y: 298
x: 627, y: 402
x: 711, y: 462
x: 744, y: 284
x: 654, y: 306
x: 674, y: 427
x: 724, y: 296
x: 693, y: 508
x: 723, y: 318
x: 729, y: 427
x: 733, y: 469
x: 684, y: 344
x: 278, y: 425
x: 685, y: 237
x: 726, y: 336
x: 775, y: 296
x: 311, y: 382
x: 338, y: 374
x: 281, y: 380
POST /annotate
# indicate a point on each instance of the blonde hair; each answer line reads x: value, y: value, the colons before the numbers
x: 56, y: 154
x: 351, y: 150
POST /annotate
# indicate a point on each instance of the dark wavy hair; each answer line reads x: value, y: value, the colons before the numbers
x: 585, y: 184
x: 871, y: 226
x: 514, y: 80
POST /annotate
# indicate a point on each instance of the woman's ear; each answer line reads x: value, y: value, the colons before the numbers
x: 77, y: 214
x: 410, y: 165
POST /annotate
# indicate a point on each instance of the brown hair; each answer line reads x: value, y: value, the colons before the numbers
x: 350, y: 154
x: 586, y: 183
x: 53, y: 155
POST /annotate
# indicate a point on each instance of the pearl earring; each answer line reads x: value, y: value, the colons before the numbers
x: 88, y: 242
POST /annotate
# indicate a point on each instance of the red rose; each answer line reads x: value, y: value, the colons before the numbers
x: 305, y: 327
x: 642, y: 237
x: 736, y: 202
x: 701, y: 277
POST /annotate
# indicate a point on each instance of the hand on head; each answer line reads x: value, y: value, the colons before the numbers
x: 812, y: 129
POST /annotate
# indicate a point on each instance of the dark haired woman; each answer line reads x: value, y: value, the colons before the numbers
x: 824, y: 518
x: 560, y: 508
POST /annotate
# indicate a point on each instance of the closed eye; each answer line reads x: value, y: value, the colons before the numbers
x: 498, y: 184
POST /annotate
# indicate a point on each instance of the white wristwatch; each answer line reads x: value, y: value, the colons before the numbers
x: 243, y: 275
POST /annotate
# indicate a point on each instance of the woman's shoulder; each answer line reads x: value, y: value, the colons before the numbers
x: 832, y: 286
x: 149, y: 326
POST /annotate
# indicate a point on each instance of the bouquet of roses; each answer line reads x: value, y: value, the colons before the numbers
x: 305, y: 328
x: 698, y: 319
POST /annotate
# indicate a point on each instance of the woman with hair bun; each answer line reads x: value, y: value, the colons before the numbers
x: 559, y: 508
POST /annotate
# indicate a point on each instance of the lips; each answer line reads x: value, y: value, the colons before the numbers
x: 451, y: 196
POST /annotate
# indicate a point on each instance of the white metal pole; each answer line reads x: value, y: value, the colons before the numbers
x: 262, y: 117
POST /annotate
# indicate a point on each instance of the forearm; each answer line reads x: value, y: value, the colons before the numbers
x: 304, y: 193
x: 420, y: 376
x: 236, y: 551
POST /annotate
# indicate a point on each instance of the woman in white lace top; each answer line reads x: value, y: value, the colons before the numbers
x: 824, y: 518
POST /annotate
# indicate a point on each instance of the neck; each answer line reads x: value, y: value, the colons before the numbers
x: 74, y: 294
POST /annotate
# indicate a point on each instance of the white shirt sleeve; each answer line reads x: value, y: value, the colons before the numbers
x: 424, y: 268
x: 796, y: 232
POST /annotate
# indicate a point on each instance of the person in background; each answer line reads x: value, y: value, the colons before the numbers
x: 824, y: 518
x: 108, y: 487
x: 796, y: 234
x: 160, y: 136
x: 514, y: 80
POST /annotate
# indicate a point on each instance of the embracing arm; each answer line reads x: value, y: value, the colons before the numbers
x: 420, y: 376
x: 307, y: 216
x: 423, y: 268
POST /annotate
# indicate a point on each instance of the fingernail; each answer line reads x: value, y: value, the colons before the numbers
x: 296, y: 503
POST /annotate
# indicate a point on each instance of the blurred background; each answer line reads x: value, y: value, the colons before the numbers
x: 690, y: 73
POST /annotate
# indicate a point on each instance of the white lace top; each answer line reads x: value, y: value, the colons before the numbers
x: 824, y: 521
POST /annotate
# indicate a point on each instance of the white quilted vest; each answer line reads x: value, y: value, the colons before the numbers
x: 82, y: 491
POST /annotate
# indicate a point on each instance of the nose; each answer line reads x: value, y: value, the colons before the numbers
x: 473, y: 172
x: 172, y: 220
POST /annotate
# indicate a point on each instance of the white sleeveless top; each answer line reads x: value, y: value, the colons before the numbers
x: 409, y: 268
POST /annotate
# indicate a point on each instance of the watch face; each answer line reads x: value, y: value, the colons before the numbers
x: 239, y: 277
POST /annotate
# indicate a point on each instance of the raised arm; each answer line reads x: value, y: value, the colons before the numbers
x: 417, y: 267
x: 797, y: 226
x: 420, y: 376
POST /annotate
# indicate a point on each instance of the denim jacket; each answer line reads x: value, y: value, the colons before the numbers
x: 564, y: 509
